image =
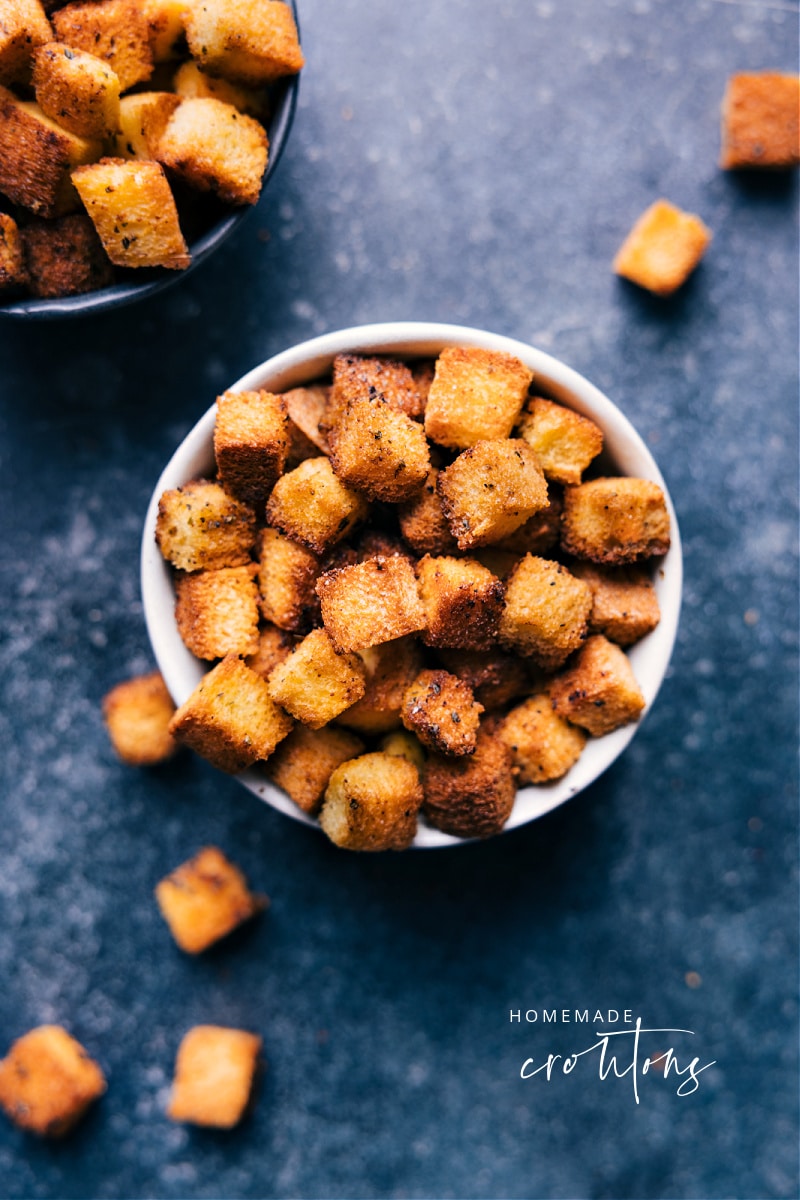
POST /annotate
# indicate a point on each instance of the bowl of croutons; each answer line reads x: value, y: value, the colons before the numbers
x: 134, y: 137
x: 412, y: 583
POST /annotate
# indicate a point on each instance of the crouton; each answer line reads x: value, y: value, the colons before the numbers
x: 311, y: 506
x: 274, y: 645
x: 471, y: 796
x: 304, y: 762
x: 389, y: 669
x: 494, y: 677
x: 137, y: 713
x: 371, y: 803
x: 165, y: 25
x: 199, y: 526
x: 377, y: 541
x: 143, y: 117
x: 476, y: 396
x: 760, y: 121
x: 490, y: 490
x: 217, y: 612
x: 463, y: 602
x: 48, y: 1081
x: 624, y: 602
x: 134, y: 213
x: 617, y: 520
x: 191, y: 83
x: 76, y: 89
x: 251, y: 442
x: 547, y: 611
x: 215, y: 148
x: 249, y: 41
x: 406, y: 745
x: 287, y: 582
x: 543, y: 745
x: 214, y: 1076
x: 205, y: 899
x: 314, y: 683
x: 230, y: 718
x: 116, y: 31
x: 356, y: 377
x: 662, y: 249
x: 540, y: 533
x: 12, y: 256
x: 307, y: 408
x: 379, y: 451
x: 422, y: 522
x: 65, y: 257
x: 599, y: 691
x: 372, y: 602
x: 37, y: 156
x: 443, y: 713
x: 565, y: 441
x: 23, y: 27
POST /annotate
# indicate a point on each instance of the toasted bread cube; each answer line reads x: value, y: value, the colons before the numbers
x: 230, y: 718
x: 356, y: 377
x: 216, y: 148
x: 200, y: 527
x: 115, y: 30
x: 214, y: 1076
x: 463, y: 602
x: 23, y: 27
x: 662, y: 249
x: 133, y: 210
x: 311, y: 506
x: 422, y: 521
x: 539, y: 534
x: 137, y: 713
x: 371, y: 803
x: 547, y: 611
x: 12, y: 256
x: 372, y: 602
x: 490, y: 490
x: 76, y: 89
x: 37, y: 156
x: 205, y: 899
x: 443, y: 713
x: 471, y: 796
x: 406, y: 745
x: 143, y: 117
x: 494, y: 677
x: 315, y: 683
x: 760, y: 121
x: 476, y: 396
x: 165, y: 23
x: 251, y: 442
x: 304, y: 762
x: 565, y: 441
x: 615, y: 520
x: 379, y: 451
x: 217, y: 612
x: 192, y: 83
x: 65, y: 257
x: 599, y: 691
x: 47, y: 1081
x: 274, y: 646
x: 390, y: 669
x: 287, y: 580
x: 624, y: 602
x: 543, y: 745
x: 250, y: 41
x: 377, y: 541
x: 307, y: 408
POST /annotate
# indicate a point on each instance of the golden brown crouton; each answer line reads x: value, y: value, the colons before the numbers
x: 443, y: 713
x: 23, y: 27
x: 371, y: 803
x: 495, y: 678
x: 476, y: 396
x: 379, y: 451
x: 192, y: 83
x: 216, y: 148
x: 205, y: 899
x: 543, y: 745
x: 214, y: 1076
x: 565, y: 441
x: 406, y: 744
x: 463, y: 602
x: 304, y: 762
x: 12, y: 256
x: 315, y: 683
x: 137, y: 713
x: 760, y: 121
x: 372, y: 602
x: 251, y: 442
x: 662, y: 249
x: 287, y: 581
x: 356, y: 377
x: 389, y: 669
x: 230, y: 718
x: 311, y: 506
x: 624, y: 601
x: 143, y: 117
x: 217, y: 612
x: 199, y: 526
x: 547, y: 611
x: 47, y: 1081
x: 599, y: 691
x: 615, y: 520
x: 116, y: 31
x: 470, y: 797
x: 165, y: 23
x: 274, y: 645
x: 490, y: 490
x: 37, y: 156
x: 422, y: 522
x: 250, y: 41
x: 307, y: 407
x: 76, y: 89
x: 377, y: 541
x: 133, y: 210
x: 65, y: 257
x: 541, y: 532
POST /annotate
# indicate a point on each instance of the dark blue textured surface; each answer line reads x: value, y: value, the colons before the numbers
x: 478, y: 163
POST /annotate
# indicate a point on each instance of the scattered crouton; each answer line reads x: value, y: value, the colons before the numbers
x: 199, y: 526
x: 314, y: 683
x: 311, y: 506
x: 13, y: 273
x: 565, y: 441
x: 48, y: 1081
x: 76, y: 89
x: 307, y: 408
x: 540, y: 533
x: 287, y: 579
x: 143, y: 117
x: 115, y: 31
x: 356, y: 377
x: 760, y: 121
x: 547, y: 611
x: 137, y: 713
x: 274, y: 645
x: 463, y: 602
x: 543, y: 745
x: 662, y: 249
x: 422, y: 521
x: 23, y: 27
x: 205, y: 899
x: 389, y: 670
x: 624, y: 602
x: 251, y: 443
x: 379, y: 451
x: 190, y: 82
x: 65, y: 257
x: 443, y: 713
x: 471, y: 796
x: 215, y: 148
x: 304, y: 762
x: 214, y: 1076
x: 619, y: 520
x: 494, y: 677
x: 598, y: 691
x: 490, y: 490
x: 217, y: 612
x: 406, y: 744
x: 165, y: 25
x: 249, y: 41
x: 476, y: 396
x: 371, y: 803
x: 372, y: 602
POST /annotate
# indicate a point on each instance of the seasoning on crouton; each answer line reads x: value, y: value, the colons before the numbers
x: 541, y: 532
x: 463, y: 602
x: 143, y: 117
x: 65, y: 257
x: 372, y: 602
x: 191, y: 83
x: 216, y: 148
x: 494, y: 677
x: 251, y: 442
x: 137, y: 713
x: 274, y: 645
x: 565, y: 441
x: 760, y: 121
x: 406, y: 744
x: 490, y: 490
x: 389, y: 669
x: 624, y: 602
x: 543, y: 745
x: 443, y: 713
x: 662, y: 249
x: 23, y: 27
x: 547, y: 611
x: 214, y: 1076
x: 287, y: 581
x: 371, y: 803
x: 314, y: 683
x: 616, y: 520
x: 599, y: 691
x: 165, y: 24
x: 311, y: 506
x: 47, y: 1081
x: 76, y: 89
x: 422, y: 522
x: 307, y: 407
x: 133, y: 210
x: 304, y: 762
x: 12, y: 258
x: 116, y: 31
x: 250, y: 41
x: 217, y: 612
x: 379, y: 451
x: 199, y: 526
x: 205, y: 899
x: 37, y: 156
x: 356, y: 377
x: 230, y: 718
x: 476, y: 396
x: 471, y: 796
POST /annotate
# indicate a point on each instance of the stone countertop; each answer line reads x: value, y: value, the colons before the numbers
x: 480, y: 164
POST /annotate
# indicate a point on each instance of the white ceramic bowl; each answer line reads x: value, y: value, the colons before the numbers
x: 625, y: 454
